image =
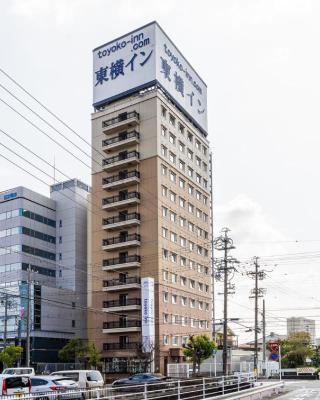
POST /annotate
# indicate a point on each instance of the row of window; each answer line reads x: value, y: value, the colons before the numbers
x: 187, y: 244
x: 173, y: 217
x: 173, y: 176
x: 185, y: 301
x: 191, y: 283
x: 24, y: 267
x: 17, y: 248
x: 21, y: 212
x: 176, y: 340
x: 184, y: 262
x: 191, y: 192
x: 175, y: 319
x: 182, y: 131
x: 27, y: 231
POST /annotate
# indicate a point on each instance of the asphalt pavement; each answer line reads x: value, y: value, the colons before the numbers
x: 301, y: 390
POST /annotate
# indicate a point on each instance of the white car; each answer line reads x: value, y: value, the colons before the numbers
x: 86, y: 379
x: 19, y: 371
x: 17, y: 385
x: 47, y: 385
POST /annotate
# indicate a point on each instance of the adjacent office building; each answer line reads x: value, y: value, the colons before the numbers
x: 43, y: 259
x: 150, y: 219
x: 301, y: 324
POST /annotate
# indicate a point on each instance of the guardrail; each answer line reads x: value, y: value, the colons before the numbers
x: 183, y: 389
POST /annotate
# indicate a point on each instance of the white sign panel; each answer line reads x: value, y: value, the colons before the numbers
x: 143, y: 58
x: 147, y: 314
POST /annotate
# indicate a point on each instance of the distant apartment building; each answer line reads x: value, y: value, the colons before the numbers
x: 301, y: 324
x: 43, y: 243
x: 151, y: 220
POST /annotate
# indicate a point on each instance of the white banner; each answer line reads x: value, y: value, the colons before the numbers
x: 144, y: 57
x: 147, y: 314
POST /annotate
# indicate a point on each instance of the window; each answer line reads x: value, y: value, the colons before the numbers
x: 190, y: 190
x: 60, y: 256
x: 172, y: 120
x: 163, y: 131
x: 174, y: 299
x: 172, y: 138
x: 193, y: 322
x: 192, y: 284
x: 174, y: 257
x: 183, y: 241
x: 60, y: 223
x: 190, y: 208
x: 182, y: 165
x: 164, y: 169
x: 192, y: 303
x: 73, y: 304
x: 184, y: 321
x: 183, y: 222
x: 175, y: 319
x: 181, y: 128
x: 181, y: 147
x: 164, y: 211
x: 191, y: 226
x: 173, y: 197
x: 164, y: 191
x: 204, y: 167
x: 165, y: 318
x: 182, y: 183
x: 173, y: 216
x: 190, y: 172
x: 190, y: 137
x: 165, y: 254
x: 183, y: 300
x: 175, y: 340
x: 206, y: 288
x: 198, y: 178
x: 201, y: 290
x: 199, y: 250
x: 165, y: 297
x: 207, y: 306
x: 163, y: 112
x: 165, y: 233
x: 190, y: 154
x: 205, y: 217
x: 205, y: 183
x: 173, y: 177
x: 199, y: 231
x: 183, y: 262
x: 204, y: 150
x: 198, y: 144
x: 173, y: 237
x: 60, y: 239
x: 73, y: 323
x: 198, y: 161
x: 205, y: 200
x: 198, y: 195
x: 191, y: 245
x: 174, y: 278
x: 182, y: 202
x: 163, y: 151
x: 185, y: 339
x: 172, y: 157
x: 166, y: 340
x: 60, y: 273
x: 199, y: 213
x: 165, y: 275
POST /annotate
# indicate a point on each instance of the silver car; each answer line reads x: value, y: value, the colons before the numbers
x: 46, y: 387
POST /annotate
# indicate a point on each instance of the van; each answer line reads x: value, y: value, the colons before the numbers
x: 19, y: 371
x: 17, y: 385
x: 86, y: 378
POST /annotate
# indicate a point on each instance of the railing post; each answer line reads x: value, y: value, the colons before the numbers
x: 145, y: 392
x: 178, y: 390
x: 238, y: 383
x: 203, y: 388
x: 223, y: 385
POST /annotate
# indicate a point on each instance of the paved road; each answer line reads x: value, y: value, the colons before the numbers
x: 301, y: 390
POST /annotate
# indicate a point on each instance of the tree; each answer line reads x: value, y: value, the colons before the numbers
x: 296, y: 349
x: 199, y: 348
x: 94, y: 356
x: 74, y: 351
x: 10, y: 355
x: 316, y: 356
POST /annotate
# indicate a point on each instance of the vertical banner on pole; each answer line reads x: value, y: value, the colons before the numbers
x: 147, y: 314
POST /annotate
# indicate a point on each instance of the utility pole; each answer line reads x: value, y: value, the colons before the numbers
x: 225, y: 243
x: 28, y: 319
x: 264, y: 336
x: 257, y: 292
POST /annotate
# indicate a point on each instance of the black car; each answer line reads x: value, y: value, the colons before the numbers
x: 156, y: 380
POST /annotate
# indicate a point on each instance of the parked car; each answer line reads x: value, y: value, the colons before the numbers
x: 86, y: 379
x: 156, y: 380
x: 17, y: 385
x: 65, y: 388
x: 19, y: 371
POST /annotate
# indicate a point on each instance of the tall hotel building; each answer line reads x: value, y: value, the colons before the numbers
x: 150, y: 215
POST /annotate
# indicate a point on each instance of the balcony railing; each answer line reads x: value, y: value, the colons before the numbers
x: 116, y: 178
x: 121, y: 260
x: 122, y: 346
x: 121, y: 218
x: 120, y: 157
x: 121, y: 239
x: 120, y: 303
x: 132, y: 323
x: 121, y: 137
x: 120, y: 118
x: 119, y: 282
x: 122, y: 197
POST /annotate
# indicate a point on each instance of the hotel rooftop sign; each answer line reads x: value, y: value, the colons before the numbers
x: 141, y: 59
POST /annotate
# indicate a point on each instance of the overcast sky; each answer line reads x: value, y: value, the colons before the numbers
x: 260, y: 60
